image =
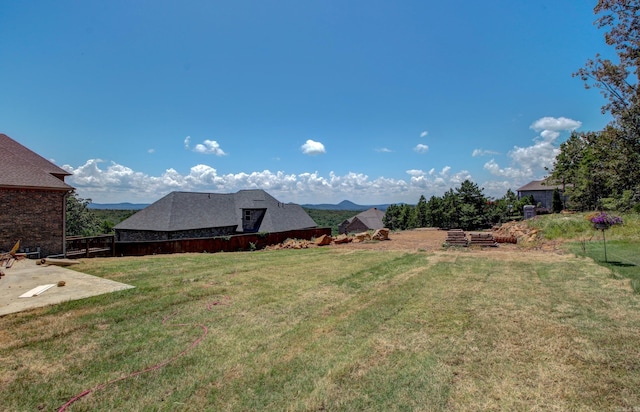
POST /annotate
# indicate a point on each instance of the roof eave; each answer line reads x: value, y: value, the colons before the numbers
x: 47, y: 188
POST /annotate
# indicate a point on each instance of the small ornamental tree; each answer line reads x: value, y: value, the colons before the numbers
x: 603, y: 221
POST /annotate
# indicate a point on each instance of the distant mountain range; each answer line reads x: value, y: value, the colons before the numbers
x: 344, y: 205
x: 118, y: 206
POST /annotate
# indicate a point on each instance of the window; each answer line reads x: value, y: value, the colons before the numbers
x: 247, y: 215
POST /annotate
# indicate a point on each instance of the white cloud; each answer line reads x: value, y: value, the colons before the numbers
x: 151, y: 151
x: 421, y: 148
x: 556, y: 124
x: 529, y: 162
x: 482, y: 152
x: 415, y: 173
x: 106, y: 182
x: 206, y: 147
x: 434, y: 182
x: 424, y: 134
x: 460, y: 177
x: 526, y: 162
x: 508, y: 172
x: 209, y: 147
x: 497, y: 188
x: 312, y: 147
x: 111, y: 182
x: 384, y: 150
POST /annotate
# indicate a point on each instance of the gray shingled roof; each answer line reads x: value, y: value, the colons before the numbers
x: 372, y: 218
x: 535, y: 185
x: 189, y: 210
x: 23, y: 168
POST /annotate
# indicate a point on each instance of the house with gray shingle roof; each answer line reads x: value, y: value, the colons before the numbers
x: 370, y: 219
x: 188, y: 215
x: 542, y: 192
x: 33, y: 200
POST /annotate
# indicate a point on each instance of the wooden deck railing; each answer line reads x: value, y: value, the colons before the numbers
x: 90, y: 246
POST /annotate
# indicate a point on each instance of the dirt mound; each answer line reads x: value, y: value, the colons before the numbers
x: 519, y: 231
x: 292, y: 244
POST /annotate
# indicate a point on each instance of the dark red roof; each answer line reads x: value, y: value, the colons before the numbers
x: 23, y: 168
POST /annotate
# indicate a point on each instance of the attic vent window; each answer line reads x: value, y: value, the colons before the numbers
x: 247, y: 215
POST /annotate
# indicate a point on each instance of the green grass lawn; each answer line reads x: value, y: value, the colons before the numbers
x: 331, y: 329
x: 620, y: 256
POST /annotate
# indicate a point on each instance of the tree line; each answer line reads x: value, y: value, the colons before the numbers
x: 465, y: 207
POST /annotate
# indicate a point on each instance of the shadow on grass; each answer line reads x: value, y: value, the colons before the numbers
x: 619, y: 264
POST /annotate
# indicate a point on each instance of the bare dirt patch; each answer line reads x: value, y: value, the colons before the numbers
x: 432, y: 240
x: 409, y: 240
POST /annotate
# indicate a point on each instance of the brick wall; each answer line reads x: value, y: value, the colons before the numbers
x: 35, y: 217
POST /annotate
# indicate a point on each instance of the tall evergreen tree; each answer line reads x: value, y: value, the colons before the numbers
x: 391, y: 219
x: 556, y: 202
x: 421, y: 212
x: 471, y: 205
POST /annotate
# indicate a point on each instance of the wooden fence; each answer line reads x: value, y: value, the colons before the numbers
x: 90, y: 246
x: 216, y: 244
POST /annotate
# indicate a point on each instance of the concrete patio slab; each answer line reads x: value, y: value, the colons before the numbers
x: 26, y: 275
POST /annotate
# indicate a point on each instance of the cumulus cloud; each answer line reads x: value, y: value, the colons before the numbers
x: 555, y: 124
x: 509, y: 172
x: 415, y: 172
x: 436, y: 182
x: 421, y: 148
x: 482, y: 152
x: 209, y: 147
x: 206, y: 147
x: 384, y: 150
x: 530, y: 162
x: 424, y: 134
x: 311, y: 147
x: 110, y: 182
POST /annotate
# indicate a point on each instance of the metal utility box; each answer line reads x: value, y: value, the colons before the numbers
x: 529, y: 211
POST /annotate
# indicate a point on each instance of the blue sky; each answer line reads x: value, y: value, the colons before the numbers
x: 313, y: 101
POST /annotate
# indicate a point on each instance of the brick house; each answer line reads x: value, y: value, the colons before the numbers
x: 33, y: 200
x: 370, y: 219
x: 189, y: 215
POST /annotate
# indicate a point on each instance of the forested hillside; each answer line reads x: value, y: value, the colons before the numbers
x: 330, y: 218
